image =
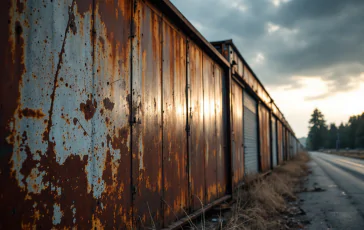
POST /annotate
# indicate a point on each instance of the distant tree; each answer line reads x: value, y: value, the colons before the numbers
x: 353, y: 125
x: 343, y: 136
x: 317, y: 130
x: 331, y: 136
x: 359, y: 135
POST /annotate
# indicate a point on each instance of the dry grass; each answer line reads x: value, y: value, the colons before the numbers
x: 260, y: 205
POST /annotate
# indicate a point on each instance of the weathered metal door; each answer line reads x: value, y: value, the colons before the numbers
x: 274, y: 142
x: 250, y: 135
x: 146, y: 116
x: 237, y: 133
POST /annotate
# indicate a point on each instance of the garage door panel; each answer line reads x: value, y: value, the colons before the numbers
x: 250, y: 135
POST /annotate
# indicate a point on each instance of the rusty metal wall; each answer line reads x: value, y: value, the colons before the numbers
x: 237, y: 133
x: 286, y: 141
x: 109, y: 109
x: 58, y: 104
x: 221, y: 138
x: 110, y: 117
x: 264, y: 132
x: 209, y: 128
x: 146, y: 116
x: 280, y: 141
x: 196, y: 126
x: 230, y: 52
x: 175, y: 163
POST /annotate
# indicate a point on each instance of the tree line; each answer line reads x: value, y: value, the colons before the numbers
x: 347, y: 135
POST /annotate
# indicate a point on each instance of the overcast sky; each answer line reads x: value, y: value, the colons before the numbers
x: 307, y: 53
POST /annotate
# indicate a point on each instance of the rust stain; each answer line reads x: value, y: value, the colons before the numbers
x: 108, y: 104
x: 72, y: 23
x: 20, y: 6
x: 31, y: 113
x: 88, y: 108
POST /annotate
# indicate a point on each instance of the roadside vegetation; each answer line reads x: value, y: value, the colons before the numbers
x: 349, y: 135
x: 359, y: 154
x: 270, y: 202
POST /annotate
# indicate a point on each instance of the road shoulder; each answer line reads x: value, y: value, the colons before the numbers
x: 326, y: 205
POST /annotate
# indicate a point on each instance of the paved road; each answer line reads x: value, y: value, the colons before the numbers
x: 341, y: 203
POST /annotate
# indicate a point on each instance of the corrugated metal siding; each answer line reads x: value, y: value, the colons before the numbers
x: 250, y: 135
x: 264, y: 132
x: 274, y: 142
x: 237, y: 133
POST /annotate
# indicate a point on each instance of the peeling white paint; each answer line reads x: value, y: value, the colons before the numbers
x: 57, y: 214
x: 35, y: 182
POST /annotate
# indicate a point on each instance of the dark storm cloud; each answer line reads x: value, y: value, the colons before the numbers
x: 315, y: 37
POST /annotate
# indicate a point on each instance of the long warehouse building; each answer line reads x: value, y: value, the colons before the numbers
x: 120, y: 114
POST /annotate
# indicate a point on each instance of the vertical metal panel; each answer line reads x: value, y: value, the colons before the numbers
x: 110, y: 153
x: 221, y: 149
x: 174, y: 123
x: 237, y: 133
x: 250, y: 135
x: 209, y: 129
x: 196, y: 142
x: 146, y: 116
x: 280, y: 141
x: 274, y: 142
x: 265, y: 149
